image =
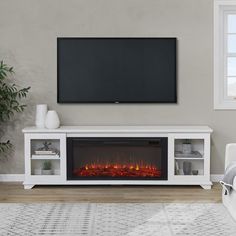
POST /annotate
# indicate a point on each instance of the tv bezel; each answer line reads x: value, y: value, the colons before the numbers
x: 116, y: 102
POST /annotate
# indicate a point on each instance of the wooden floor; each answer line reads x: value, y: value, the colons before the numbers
x: 14, y: 192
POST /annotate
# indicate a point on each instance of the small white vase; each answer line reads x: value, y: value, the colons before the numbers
x: 187, y: 148
x: 41, y: 112
x: 52, y: 120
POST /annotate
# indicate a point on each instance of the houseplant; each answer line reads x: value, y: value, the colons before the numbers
x: 47, y: 168
x: 10, y: 96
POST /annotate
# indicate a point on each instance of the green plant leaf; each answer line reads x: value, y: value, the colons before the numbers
x: 10, y: 97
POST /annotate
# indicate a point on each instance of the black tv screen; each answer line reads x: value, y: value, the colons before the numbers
x: 116, y: 70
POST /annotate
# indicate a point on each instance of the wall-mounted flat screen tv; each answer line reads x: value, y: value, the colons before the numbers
x: 116, y: 70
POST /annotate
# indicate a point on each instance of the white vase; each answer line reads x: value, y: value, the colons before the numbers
x: 187, y: 148
x: 41, y: 112
x: 52, y: 120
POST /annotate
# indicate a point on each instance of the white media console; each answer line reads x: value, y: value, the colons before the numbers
x: 198, y: 136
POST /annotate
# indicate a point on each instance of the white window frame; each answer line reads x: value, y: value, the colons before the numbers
x: 221, y: 9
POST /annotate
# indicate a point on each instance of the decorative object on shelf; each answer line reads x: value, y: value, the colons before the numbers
x: 37, y: 171
x: 187, y: 167
x: 52, y: 120
x: 10, y: 96
x: 187, y: 146
x: 47, y: 150
x: 176, y: 168
x: 47, y: 168
x: 41, y: 112
x: 195, y: 172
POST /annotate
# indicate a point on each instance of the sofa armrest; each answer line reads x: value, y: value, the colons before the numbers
x: 230, y: 153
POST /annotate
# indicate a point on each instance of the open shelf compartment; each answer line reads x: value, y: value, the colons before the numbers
x: 41, y: 157
x: 37, y: 167
x: 189, y: 156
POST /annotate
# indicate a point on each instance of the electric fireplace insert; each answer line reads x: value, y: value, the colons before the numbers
x: 117, y: 158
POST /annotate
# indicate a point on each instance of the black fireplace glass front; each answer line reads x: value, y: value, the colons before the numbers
x: 117, y: 158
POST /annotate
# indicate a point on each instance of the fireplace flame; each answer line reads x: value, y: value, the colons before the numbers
x: 117, y: 170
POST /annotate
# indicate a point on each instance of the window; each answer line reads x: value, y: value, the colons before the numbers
x: 225, y: 54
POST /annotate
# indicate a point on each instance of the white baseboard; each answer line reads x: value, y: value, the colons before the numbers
x: 20, y: 178
x: 12, y: 177
x: 216, y: 178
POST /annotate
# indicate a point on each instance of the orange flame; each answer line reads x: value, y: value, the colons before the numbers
x: 129, y: 170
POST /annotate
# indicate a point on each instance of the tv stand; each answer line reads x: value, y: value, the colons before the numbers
x: 198, y: 136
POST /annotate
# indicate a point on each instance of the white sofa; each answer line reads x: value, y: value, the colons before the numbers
x: 230, y: 200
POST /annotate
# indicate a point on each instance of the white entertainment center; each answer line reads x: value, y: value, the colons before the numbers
x: 198, y: 136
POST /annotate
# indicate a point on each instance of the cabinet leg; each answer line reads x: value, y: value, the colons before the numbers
x: 206, y: 186
x: 28, y: 186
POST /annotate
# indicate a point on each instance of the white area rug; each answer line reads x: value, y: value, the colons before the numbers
x: 155, y: 219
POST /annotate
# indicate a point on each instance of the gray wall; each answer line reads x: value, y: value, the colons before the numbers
x: 28, y: 32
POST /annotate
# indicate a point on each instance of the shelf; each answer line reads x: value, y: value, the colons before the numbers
x: 193, y: 154
x: 46, y: 175
x: 194, y: 176
x: 45, y: 157
x: 189, y: 158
